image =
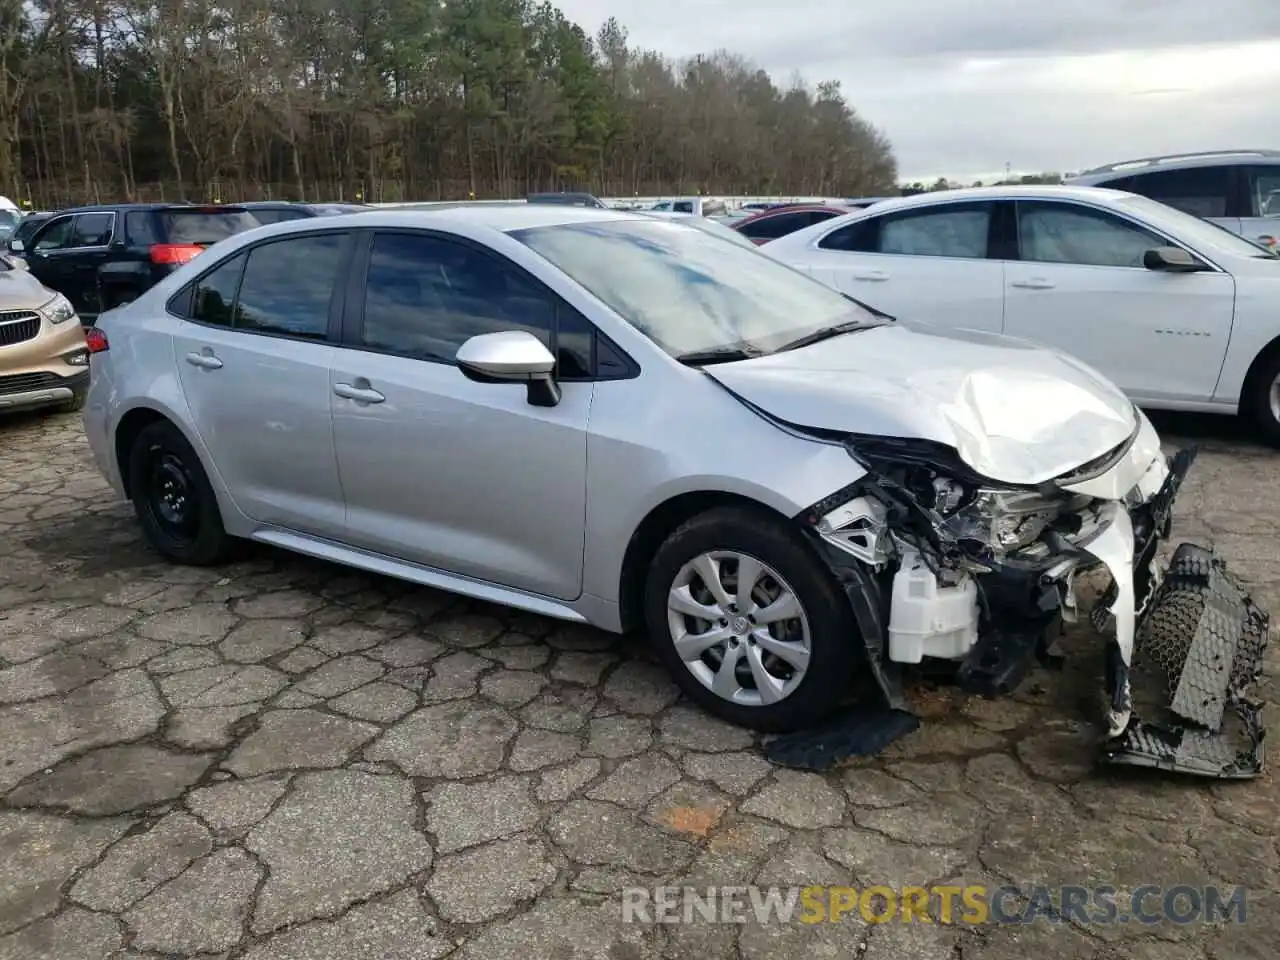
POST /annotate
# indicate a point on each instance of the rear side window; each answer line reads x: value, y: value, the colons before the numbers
x: 276, y: 215
x: 214, y: 294
x: 959, y: 231
x: 287, y: 286
x: 93, y: 230
x: 683, y: 206
x: 203, y: 227
x: 139, y: 229
x: 1200, y: 191
x: 1264, y: 191
x: 781, y: 224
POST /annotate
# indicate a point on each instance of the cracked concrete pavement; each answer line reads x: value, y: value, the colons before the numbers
x: 284, y: 759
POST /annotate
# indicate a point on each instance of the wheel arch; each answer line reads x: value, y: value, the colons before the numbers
x: 1257, y: 368
x: 652, y: 532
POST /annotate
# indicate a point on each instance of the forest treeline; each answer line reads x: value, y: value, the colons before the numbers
x: 388, y: 100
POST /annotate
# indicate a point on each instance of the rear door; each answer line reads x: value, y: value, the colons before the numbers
x: 253, y: 359
x: 89, y: 249
x: 1260, y: 218
x: 928, y: 264
x: 1079, y: 284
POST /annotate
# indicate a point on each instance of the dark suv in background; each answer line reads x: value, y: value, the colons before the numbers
x: 102, y: 256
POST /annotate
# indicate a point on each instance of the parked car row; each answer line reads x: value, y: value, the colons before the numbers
x: 101, y: 256
x: 1179, y: 312
x: 622, y: 419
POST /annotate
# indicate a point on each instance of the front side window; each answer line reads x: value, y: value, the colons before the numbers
x: 425, y: 296
x: 56, y: 235
x: 687, y: 290
x: 1066, y: 233
x: 1264, y: 191
x: 288, y: 285
x: 1200, y: 191
x: 93, y: 230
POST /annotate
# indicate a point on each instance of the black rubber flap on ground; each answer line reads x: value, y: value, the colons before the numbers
x: 1204, y: 637
x: 861, y: 732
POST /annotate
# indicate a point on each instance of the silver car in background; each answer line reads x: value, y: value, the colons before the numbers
x: 625, y: 421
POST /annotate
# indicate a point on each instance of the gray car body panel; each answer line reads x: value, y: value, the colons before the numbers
x: 671, y: 431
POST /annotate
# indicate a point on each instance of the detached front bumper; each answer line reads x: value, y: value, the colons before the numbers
x: 1188, y: 635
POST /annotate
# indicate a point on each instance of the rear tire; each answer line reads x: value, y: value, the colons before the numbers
x: 787, y: 674
x: 1263, y: 400
x: 173, y: 498
x: 75, y: 404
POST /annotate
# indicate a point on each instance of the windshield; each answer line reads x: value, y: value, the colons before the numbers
x: 688, y: 290
x: 1194, y: 230
x: 193, y: 226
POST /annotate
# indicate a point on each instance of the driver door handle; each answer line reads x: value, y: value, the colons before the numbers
x: 874, y: 275
x: 1034, y: 283
x: 359, y: 394
x: 206, y: 361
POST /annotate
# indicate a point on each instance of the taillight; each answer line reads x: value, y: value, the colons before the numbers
x: 95, y: 340
x: 172, y: 253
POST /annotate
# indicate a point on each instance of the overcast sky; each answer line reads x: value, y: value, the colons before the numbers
x: 962, y: 87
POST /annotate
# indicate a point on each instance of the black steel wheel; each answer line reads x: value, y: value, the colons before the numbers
x: 173, y: 499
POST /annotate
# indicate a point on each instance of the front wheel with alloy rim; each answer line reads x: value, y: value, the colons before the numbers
x: 750, y: 622
x: 173, y: 499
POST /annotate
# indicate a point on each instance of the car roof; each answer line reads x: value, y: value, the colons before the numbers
x: 1181, y: 161
x: 1006, y: 192
x: 500, y: 217
x: 144, y: 207
x: 795, y: 208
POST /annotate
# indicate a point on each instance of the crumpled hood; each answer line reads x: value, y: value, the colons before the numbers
x: 19, y: 290
x: 1014, y: 411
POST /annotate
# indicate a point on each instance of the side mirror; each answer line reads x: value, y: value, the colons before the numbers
x: 512, y: 356
x: 17, y: 246
x: 1172, y: 260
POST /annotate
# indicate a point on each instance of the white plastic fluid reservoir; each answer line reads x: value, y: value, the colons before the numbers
x: 928, y: 620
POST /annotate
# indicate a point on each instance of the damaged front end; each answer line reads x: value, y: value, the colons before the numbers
x: 943, y: 565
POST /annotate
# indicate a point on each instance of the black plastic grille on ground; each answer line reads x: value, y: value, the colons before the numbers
x: 1204, y: 637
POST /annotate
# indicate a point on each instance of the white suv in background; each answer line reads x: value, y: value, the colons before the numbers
x: 1237, y: 189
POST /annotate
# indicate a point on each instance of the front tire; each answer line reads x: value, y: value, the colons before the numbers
x: 173, y: 499
x: 1264, y: 400
x: 777, y: 655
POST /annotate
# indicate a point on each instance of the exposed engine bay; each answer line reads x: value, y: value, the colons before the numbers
x: 944, y: 565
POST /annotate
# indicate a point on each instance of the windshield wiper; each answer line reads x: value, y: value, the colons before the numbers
x: 698, y: 358
x: 827, y: 333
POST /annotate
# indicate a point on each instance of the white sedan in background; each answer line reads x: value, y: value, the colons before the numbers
x: 1179, y: 312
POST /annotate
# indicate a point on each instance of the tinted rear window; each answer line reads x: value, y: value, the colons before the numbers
x: 193, y: 226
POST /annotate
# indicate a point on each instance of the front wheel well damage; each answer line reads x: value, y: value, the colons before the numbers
x: 131, y: 425
x: 654, y: 530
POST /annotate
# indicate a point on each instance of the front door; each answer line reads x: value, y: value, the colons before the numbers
x: 49, y: 256
x: 437, y: 469
x: 253, y: 359
x: 1080, y: 285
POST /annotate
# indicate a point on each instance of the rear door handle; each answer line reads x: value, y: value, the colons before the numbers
x: 206, y: 361
x: 873, y: 275
x: 359, y: 394
x: 1035, y: 283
